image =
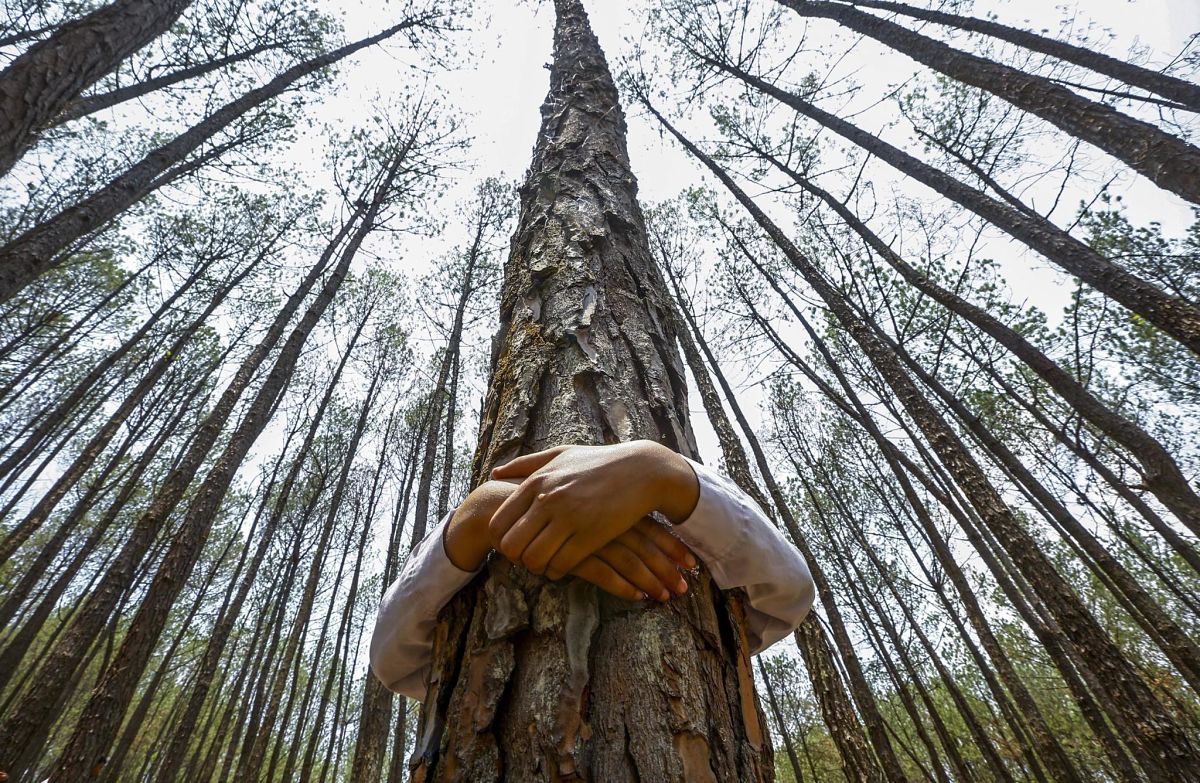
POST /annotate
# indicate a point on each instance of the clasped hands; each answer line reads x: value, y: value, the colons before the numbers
x: 584, y: 511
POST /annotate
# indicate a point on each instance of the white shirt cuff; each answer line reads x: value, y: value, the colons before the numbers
x: 401, y: 645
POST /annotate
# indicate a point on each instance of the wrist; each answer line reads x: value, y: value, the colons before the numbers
x: 465, y: 540
x: 674, y: 484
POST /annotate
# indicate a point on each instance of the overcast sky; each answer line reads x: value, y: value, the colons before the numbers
x: 503, y: 80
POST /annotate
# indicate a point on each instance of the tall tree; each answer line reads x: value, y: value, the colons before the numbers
x: 54, y: 72
x: 1183, y: 92
x: 533, y: 680
x: 26, y: 257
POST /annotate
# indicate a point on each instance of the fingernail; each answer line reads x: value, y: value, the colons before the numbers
x: 681, y: 586
x: 664, y: 596
x: 690, y: 559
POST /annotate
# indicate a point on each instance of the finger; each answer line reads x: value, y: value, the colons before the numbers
x: 545, y: 545
x: 630, y: 566
x: 602, y: 575
x: 510, y: 510
x: 568, y: 556
x: 668, y: 542
x: 521, y: 535
x: 660, y: 564
x: 526, y: 464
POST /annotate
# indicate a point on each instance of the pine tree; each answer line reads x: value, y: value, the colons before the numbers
x: 534, y: 680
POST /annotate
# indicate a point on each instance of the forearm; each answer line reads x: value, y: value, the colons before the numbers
x: 675, y: 488
x: 466, y: 539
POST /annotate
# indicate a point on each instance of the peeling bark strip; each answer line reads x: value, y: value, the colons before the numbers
x: 537, y: 681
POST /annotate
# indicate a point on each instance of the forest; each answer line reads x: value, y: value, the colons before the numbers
x: 281, y: 281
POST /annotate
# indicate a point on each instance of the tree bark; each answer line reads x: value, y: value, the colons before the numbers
x: 535, y: 681
x: 1165, y: 160
x: 52, y: 73
x: 1179, y: 90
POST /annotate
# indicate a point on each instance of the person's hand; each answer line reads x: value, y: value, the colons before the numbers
x: 644, y: 562
x: 575, y: 500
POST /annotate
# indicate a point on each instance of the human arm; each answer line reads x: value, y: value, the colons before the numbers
x: 574, y: 496
x: 643, y: 560
x: 575, y: 499
x: 742, y: 548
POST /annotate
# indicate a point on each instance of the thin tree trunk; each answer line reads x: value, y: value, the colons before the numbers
x: 1179, y: 90
x: 1164, y: 745
x: 219, y: 635
x: 106, y: 100
x: 1044, y: 739
x: 52, y: 73
x: 96, y: 444
x: 448, y: 456
x: 52, y: 419
x: 1165, y: 160
x: 781, y: 723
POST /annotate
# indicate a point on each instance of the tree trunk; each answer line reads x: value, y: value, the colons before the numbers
x: 101, y: 717
x: 37, y: 250
x: 536, y: 681
x: 1170, y: 87
x: 781, y: 724
x: 1165, y: 160
x: 1174, y: 316
x: 735, y: 456
x: 1159, y: 470
x: 37, y: 707
x: 1163, y: 743
x: 52, y: 73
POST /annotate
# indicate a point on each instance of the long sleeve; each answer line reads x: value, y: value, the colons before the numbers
x: 727, y: 531
x: 742, y: 548
x: 402, y: 643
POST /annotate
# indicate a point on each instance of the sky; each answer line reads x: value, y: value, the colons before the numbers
x: 502, y: 81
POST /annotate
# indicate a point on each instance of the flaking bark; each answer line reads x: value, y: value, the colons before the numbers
x: 536, y: 681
